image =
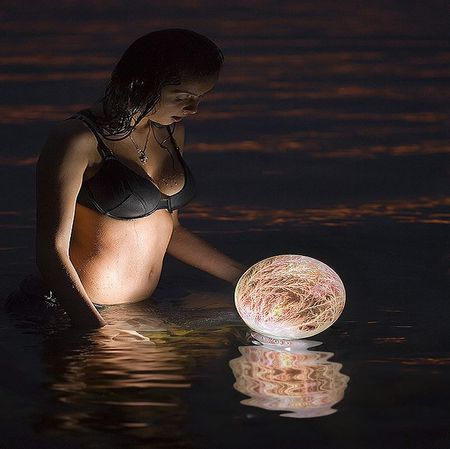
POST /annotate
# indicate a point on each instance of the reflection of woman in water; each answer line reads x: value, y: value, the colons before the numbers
x: 111, y: 179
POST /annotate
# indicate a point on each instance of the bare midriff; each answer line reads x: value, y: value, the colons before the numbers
x: 119, y: 261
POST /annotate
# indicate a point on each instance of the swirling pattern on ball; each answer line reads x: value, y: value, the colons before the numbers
x: 289, y: 296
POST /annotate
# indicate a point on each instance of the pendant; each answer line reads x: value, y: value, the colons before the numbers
x: 143, y: 157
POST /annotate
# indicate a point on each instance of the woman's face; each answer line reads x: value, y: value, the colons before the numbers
x: 181, y: 100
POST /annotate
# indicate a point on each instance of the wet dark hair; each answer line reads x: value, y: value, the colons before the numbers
x: 158, y: 59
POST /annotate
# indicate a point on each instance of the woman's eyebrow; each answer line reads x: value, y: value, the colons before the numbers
x: 191, y: 93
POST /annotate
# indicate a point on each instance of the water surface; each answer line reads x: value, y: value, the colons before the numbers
x: 327, y: 136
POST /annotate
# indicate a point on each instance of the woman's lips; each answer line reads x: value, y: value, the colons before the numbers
x: 176, y: 118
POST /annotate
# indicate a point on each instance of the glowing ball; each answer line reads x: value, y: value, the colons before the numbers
x: 289, y: 296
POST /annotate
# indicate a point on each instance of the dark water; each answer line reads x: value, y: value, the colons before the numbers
x: 327, y: 136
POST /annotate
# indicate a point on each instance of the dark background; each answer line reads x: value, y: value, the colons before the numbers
x: 327, y: 136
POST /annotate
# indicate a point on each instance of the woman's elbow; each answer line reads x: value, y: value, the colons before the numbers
x: 47, y: 253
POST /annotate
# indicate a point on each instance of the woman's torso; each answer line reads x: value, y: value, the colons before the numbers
x: 120, y: 260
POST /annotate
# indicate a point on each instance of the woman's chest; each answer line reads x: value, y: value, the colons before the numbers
x: 162, y: 167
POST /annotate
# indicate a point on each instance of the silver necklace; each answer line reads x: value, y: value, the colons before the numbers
x: 142, y: 153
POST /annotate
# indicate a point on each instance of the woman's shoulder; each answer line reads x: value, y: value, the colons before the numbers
x: 72, y: 130
x: 71, y: 135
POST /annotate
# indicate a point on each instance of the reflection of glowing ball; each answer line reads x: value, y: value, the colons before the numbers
x: 306, y: 384
x: 289, y: 296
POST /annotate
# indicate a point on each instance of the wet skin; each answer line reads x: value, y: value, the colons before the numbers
x: 120, y: 261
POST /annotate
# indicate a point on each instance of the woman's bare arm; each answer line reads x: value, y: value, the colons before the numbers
x: 193, y: 250
x: 59, y: 174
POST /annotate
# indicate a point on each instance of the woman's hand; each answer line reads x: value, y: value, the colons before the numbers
x: 116, y: 334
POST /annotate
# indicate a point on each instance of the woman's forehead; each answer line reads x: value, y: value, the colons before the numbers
x: 194, y: 87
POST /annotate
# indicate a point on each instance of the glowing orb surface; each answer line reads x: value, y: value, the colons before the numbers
x: 289, y: 296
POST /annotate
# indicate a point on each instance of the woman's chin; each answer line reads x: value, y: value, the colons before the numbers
x: 168, y: 121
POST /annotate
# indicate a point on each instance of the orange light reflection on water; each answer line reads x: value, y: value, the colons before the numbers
x: 26, y: 112
x: 55, y: 76
x: 419, y: 210
x: 389, y: 340
x: 419, y: 361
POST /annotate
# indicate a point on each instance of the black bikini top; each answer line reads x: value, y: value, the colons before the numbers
x: 119, y: 192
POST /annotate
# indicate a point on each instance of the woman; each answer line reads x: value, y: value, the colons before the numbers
x: 110, y: 181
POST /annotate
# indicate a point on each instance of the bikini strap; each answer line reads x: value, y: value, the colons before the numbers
x: 86, y: 117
